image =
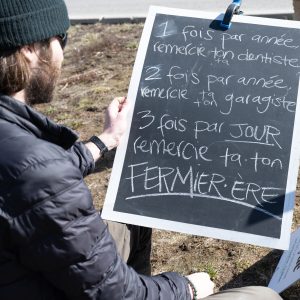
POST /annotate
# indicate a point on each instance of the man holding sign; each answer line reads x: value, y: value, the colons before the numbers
x: 53, y: 243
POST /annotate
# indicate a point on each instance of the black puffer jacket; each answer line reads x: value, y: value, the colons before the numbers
x: 53, y: 243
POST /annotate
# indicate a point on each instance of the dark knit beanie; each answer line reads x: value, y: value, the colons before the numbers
x: 23, y: 22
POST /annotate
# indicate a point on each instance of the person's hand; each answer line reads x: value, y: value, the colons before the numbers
x: 115, y: 122
x: 202, y: 283
x: 114, y: 126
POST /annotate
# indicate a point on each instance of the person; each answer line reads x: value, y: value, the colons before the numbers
x: 296, y: 4
x: 53, y: 243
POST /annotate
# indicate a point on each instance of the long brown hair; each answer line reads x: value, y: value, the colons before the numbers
x: 14, y: 68
x: 14, y: 72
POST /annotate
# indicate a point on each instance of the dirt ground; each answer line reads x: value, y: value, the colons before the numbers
x: 98, y: 64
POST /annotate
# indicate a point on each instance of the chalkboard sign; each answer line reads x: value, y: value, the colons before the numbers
x: 213, y: 143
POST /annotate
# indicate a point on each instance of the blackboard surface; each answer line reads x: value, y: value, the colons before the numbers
x: 212, y: 148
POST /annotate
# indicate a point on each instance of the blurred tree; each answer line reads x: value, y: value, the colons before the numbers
x: 296, y: 9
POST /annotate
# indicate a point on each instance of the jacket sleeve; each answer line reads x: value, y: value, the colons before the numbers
x: 60, y: 235
x: 82, y: 158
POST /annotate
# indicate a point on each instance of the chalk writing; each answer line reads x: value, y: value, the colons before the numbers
x: 275, y: 40
x: 190, y: 31
x: 154, y: 73
x: 297, y: 266
x: 195, y: 183
x: 164, y: 93
x: 213, y: 125
x: 261, y: 103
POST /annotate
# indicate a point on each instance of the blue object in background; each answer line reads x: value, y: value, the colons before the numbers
x: 233, y: 8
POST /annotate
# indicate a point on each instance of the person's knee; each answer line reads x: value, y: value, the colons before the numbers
x: 263, y: 293
x: 246, y: 293
x: 146, y: 235
x: 139, y: 258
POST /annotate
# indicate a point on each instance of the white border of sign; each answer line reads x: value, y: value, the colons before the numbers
x: 110, y: 214
x: 288, y: 269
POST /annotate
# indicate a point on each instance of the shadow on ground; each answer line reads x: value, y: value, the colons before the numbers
x: 260, y: 274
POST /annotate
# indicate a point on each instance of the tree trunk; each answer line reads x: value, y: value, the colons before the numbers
x: 296, y: 9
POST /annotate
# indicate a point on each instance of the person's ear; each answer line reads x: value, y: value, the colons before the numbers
x: 30, y: 54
